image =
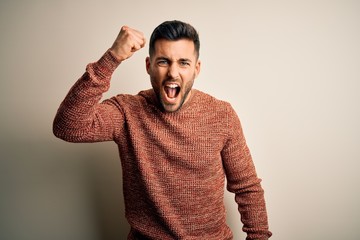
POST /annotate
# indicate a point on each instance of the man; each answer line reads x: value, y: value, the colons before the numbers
x: 176, y: 144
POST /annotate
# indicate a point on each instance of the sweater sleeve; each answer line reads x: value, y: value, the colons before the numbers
x: 80, y: 117
x: 242, y: 180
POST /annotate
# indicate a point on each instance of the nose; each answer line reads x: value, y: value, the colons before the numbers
x: 173, y: 71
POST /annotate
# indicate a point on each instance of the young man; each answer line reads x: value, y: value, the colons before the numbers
x: 177, y: 144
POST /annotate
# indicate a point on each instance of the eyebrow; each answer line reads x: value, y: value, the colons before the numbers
x: 162, y: 58
x: 168, y: 59
x: 185, y: 60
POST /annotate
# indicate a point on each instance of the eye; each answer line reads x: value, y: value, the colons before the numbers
x: 184, y: 63
x: 163, y: 62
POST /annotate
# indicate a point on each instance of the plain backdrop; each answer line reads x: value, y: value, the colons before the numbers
x: 290, y: 69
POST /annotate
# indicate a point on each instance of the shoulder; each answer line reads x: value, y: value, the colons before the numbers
x: 220, y: 109
x: 131, y: 98
x: 132, y: 102
x: 212, y: 103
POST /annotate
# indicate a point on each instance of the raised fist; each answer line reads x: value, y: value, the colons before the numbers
x: 127, y: 42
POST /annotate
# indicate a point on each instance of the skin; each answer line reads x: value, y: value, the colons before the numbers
x: 127, y: 43
x: 173, y: 63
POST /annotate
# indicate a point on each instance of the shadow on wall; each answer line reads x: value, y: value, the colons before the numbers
x: 56, y: 190
x: 104, y: 183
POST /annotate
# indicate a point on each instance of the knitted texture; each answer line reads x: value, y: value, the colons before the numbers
x: 174, y: 164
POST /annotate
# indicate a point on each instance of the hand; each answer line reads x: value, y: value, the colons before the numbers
x: 127, y: 42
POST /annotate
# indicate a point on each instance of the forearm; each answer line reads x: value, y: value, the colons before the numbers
x: 252, y: 209
x: 242, y: 180
x: 249, y: 195
x: 80, y: 116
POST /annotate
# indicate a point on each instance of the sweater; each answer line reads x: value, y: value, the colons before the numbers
x: 175, y: 164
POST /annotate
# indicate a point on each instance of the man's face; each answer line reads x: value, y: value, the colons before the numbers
x: 172, y: 69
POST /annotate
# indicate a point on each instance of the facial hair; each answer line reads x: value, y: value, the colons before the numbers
x: 166, y: 107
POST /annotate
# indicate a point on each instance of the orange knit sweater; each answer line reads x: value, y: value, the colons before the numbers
x: 174, y: 164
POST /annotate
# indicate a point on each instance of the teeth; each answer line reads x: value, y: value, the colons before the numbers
x: 172, y: 85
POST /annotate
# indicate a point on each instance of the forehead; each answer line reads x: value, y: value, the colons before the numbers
x: 182, y: 48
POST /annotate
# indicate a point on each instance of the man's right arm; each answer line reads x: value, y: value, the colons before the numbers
x: 80, y: 117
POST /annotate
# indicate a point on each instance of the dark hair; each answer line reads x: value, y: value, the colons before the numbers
x: 174, y: 30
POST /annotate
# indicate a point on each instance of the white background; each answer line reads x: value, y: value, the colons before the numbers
x: 291, y: 70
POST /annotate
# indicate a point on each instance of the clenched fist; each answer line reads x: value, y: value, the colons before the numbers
x: 127, y: 42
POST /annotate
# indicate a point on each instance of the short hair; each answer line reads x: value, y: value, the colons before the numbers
x: 174, y: 30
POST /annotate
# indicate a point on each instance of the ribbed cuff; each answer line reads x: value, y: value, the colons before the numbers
x: 107, y: 64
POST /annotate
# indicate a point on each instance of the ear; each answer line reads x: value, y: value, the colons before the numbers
x: 147, y: 61
x: 197, y: 68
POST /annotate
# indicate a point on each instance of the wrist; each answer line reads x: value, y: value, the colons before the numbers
x: 115, y: 55
x: 107, y: 64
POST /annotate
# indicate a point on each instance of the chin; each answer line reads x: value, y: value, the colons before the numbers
x: 171, y: 108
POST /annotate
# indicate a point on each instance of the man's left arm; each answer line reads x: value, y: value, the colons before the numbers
x: 242, y: 180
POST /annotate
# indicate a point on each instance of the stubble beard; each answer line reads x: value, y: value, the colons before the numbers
x: 168, y: 107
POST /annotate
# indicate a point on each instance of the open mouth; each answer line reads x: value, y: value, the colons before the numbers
x: 172, y: 90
